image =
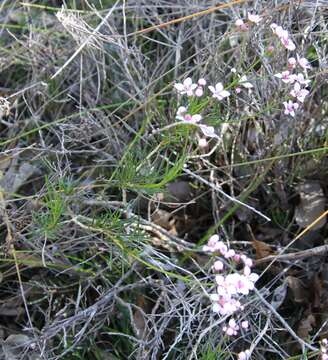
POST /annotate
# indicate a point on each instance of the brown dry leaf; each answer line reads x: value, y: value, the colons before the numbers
x: 311, y: 206
x: 299, y: 291
x: 306, y: 326
x: 139, y: 321
x: 5, y: 161
x: 262, y: 249
x: 165, y: 220
x: 14, y: 178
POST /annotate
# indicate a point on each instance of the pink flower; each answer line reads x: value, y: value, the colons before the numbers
x: 238, y: 90
x: 224, y: 305
x: 232, y: 328
x: 254, y: 18
x: 199, y: 91
x: 213, y: 240
x: 283, y: 36
x: 187, y: 87
x: 229, y: 254
x: 218, y: 91
x: 182, y: 110
x: 299, y: 93
x: 290, y: 107
x: 285, y: 77
x: 300, y: 79
x: 244, y: 355
x: 244, y: 324
x: 241, y: 25
x: 213, y: 244
x: 249, y: 275
x: 303, y: 63
x: 246, y: 260
x: 187, y: 118
x: 291, y: 63
x: 287, y: 43
x: 221, y: 247
x: 236, y: 257
x: 218, y: 266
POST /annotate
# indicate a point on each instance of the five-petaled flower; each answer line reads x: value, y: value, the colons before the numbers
x: 232, y: 328
x: 185, y: 117
x: 246, y: 84
x: 290, y: 107
x: 303, y: 63
x: 285, y: 76
x: 218, y: 91
x: 299, y: 93
x: 187, y: 87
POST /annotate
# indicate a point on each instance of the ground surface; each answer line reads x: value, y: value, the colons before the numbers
x: 107, y: 197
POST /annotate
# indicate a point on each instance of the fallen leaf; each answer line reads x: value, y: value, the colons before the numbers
x: 262, y: 249
x: 311, y: 206
x: 305, y: 326
x: 14, y: 345
x: 165, y: 220
x: 279, y: 295
x: 14, y: 178
x: 298, y: 289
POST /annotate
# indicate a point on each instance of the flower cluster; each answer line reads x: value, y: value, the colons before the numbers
x: 230, y: 286
x: 197, y: 90
x: 244, y: 355
x: 283, y: 36
x: 252, y: 18
x: 324, y: 349
x: 298, y: 80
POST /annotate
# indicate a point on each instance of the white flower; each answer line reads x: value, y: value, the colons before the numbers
x: 290, y: 107
x: 199, y: 91
x: 187, y: 87
x: 283, y: 36
x: 292, y: 63
x: 244, y: 324
x: 202, y: 143
x: 182, y: 110
x: 299, y: 93
x: 218, y: 91
x: 246, y: 84
x: 187, y: 118
x: 218, y: 266
x: 239, y: 22
x: 285, y: 76
x: 303, y: 63
x: 288, y: 44
x: 300, y: 79
x: 254, y: 18
x: 207, y: 130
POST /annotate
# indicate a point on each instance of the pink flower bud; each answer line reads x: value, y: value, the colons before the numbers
x: 218, y: 266
x: 202, y: 82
